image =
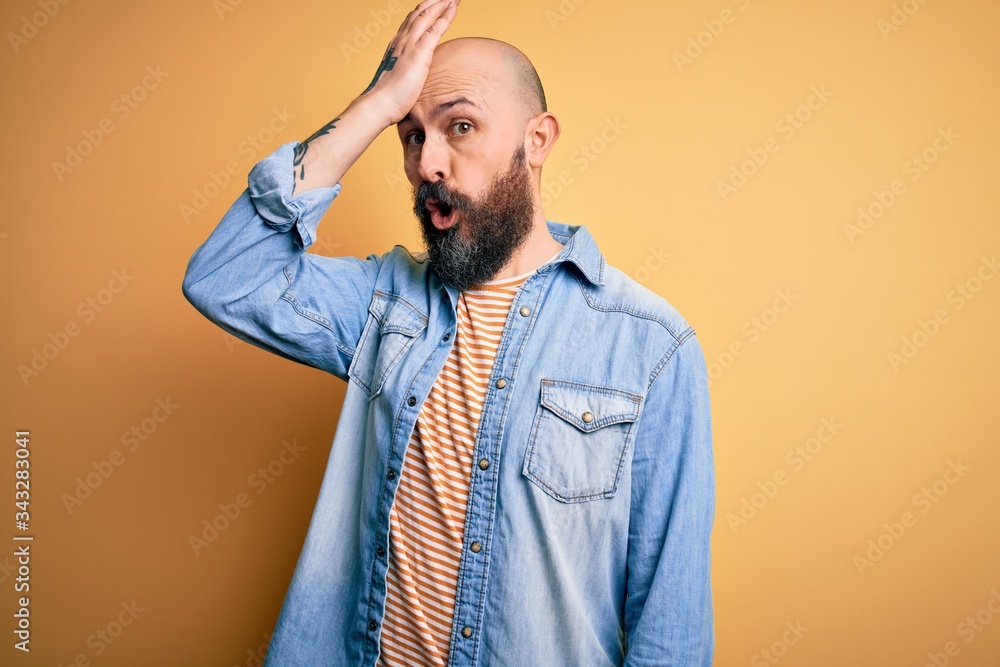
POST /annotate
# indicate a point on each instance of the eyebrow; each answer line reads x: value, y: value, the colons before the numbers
x: 444, y: 106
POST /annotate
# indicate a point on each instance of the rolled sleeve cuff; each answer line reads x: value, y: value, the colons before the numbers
x: 270, y: 183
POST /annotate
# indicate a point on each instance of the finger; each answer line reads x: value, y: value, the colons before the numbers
x: 434, y: 23
x: 408, y: 33
x: 414, y: 14
x: 425, y: 18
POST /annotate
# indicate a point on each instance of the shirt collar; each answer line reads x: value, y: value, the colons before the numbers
x: 579, y: 248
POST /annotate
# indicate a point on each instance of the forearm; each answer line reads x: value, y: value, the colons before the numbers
x: 322, y: 159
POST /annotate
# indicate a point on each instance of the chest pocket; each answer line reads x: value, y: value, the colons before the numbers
x: 579, y: 438
x: 392, y: 326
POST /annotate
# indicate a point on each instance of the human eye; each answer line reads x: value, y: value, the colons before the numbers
x: 412, y: 135
x: 462, y: 123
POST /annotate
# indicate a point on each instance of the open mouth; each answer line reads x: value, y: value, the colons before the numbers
x: 443, y: 215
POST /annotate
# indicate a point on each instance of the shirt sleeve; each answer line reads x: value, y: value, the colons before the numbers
x: 668, y: 607
x: 253, y: 277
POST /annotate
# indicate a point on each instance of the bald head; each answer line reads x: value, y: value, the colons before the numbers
x: 481, y: 104
x: 512, y: 69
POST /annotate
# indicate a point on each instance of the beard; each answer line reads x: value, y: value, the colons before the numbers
x: 487, y: 231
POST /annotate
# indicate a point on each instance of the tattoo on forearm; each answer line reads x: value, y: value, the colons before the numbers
x: 387, y: 64
x: 300, y: 150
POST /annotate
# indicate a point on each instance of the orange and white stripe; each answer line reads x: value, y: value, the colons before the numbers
x: 427, y: 519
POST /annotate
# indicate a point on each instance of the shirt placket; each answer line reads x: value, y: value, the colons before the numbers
x: 400, y: 437
x: 480, y: 518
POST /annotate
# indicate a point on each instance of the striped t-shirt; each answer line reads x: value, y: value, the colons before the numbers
x: 427, y: 519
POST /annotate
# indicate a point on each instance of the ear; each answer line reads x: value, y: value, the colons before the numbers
x: 539, y: 137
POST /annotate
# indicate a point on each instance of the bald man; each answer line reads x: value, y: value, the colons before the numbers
x: 522, y: 472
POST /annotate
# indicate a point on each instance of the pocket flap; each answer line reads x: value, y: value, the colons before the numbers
x: 589, y: 407
x: 396, y: 315
x: 388, y: 334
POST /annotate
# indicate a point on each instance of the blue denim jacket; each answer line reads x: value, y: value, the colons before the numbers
x: 593, y: 492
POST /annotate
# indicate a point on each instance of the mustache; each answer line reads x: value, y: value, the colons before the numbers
x: 438, y: 191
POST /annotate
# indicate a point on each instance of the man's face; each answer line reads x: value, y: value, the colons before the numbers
x: 470, y: 239
x: 464, y: 156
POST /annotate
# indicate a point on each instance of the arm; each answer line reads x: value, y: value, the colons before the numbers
x: 668, y: 609
x: 322, y: 159
x: 253, y: 277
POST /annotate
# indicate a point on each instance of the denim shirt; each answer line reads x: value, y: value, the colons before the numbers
x: 593, y: 489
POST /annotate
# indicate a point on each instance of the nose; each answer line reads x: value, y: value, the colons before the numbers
x: 434, y: 163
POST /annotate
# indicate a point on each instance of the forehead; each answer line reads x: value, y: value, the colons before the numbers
x: 469, y: 86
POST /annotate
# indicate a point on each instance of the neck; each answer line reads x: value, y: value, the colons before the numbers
x: 537, y: 249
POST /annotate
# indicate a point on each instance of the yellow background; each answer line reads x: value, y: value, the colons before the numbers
x: 649, y: 193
